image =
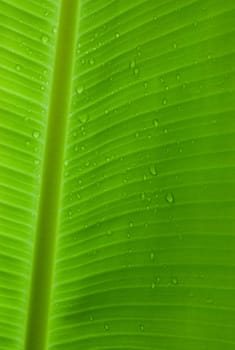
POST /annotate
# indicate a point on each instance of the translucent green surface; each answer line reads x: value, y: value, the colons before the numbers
x: 117, y: 168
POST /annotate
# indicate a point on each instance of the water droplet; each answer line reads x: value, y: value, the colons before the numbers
x: 131, y: 224
x: 141, y: 326
x: 156, y: 123
x: 18, y: 67
x: 44, y: 39
x: 174, y: 45
x: 164, y: 101
x: 136, y: 71
x: 170, y: 197
x: 36, y: 161
x: 132, y: 64
x: 152, y: 256
x: 66, y: 163
x: 145, y: 84
x: 106, y: 327
x: 158, y: 280
x: 174, y: 281
x: 84, y: 118
x: 46, y: 13
x: 91, y: 318
x: 142, y: 196
x: 117, y: 34
x: 177, y: 76
x: 153, y: 170
x: 80, y: 90
x: 36, y: 134
x: 153, y: 285
x: 91, y: 61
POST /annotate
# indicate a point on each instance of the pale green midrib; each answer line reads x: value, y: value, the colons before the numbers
x: 52, y: 175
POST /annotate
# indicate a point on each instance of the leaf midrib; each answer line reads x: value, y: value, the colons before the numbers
x: 52, y: 179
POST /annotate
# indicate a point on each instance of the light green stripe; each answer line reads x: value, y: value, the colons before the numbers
x: 47, y: 226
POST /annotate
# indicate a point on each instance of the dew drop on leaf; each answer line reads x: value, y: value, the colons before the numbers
x: 132, y: 64
x: 141, y: 326
x: 36, y: 134
x: 91, y: 61
x: 84, y: 118
x: 44, y: 39
x: 177, y: 76
x: 156, y: 123
x: 153, y: 170
x: 80, y: 90
x: 174, y: 281
x: 106, y: 327
x: 18, y: 67
x: 136, y: 71
x: 170, y: 198
x: 164, y: 101
x: 145, y: 84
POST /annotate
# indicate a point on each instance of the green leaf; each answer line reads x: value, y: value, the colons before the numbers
x: 117, y: 165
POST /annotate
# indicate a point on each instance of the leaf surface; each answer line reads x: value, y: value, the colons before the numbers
x: 145, y: 238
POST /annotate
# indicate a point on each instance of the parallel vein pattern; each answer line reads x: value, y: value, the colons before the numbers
x: 145, y: 255
x: 27, y: 35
